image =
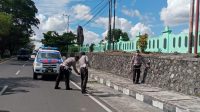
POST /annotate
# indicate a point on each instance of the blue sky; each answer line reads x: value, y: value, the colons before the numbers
x: 132, y: 16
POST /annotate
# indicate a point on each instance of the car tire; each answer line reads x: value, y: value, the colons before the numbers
x: 35, y: 76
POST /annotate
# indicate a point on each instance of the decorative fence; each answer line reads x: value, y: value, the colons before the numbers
x: 165, y: 43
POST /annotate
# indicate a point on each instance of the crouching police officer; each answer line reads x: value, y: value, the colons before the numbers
x: 84, y: 63
x: 65, y: 71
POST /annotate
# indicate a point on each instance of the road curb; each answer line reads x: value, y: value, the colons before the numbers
x: 163, y: 105
x: 5, y: 59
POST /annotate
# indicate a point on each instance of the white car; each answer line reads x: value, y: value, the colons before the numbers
x: 47, y: 62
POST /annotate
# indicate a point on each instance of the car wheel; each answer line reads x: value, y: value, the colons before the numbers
x: 35, y: 76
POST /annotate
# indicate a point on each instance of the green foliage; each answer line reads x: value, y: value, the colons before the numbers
x: 92, y: 47
x: 73, y: 49
x: 142, y: 42
x: 53, y: 39
x: 5, y: 24
x: 117, y: 33
x: 21, y: 17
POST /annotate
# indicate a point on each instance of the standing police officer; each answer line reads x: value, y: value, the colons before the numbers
x: 136, y: 63
x: 65, y: 71
x: 83, y: 61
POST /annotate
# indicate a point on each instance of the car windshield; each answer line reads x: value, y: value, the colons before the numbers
x: 23, y: 52
x: 49, y: 55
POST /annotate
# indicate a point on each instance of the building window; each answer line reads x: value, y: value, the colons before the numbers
x: 186, y: 41
x: 174, y: 42
x: 165, y: 43
x: 179, y: 41
x: 199, y: 40
x: 153, y: 44
x: 149, y: 44
x: 133, y: 45
x: 130, y: 45
x: 193, y: 41
x: 158, y: 44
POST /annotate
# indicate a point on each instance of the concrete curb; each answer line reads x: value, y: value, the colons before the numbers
x: 141, y: 96
x: 6, y: 59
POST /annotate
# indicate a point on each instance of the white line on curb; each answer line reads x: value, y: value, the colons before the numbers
x: 17, y: 73
x: 94, y: 99
x: 3, y: 90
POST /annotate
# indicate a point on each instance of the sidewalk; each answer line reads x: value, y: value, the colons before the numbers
x: 168, y: 101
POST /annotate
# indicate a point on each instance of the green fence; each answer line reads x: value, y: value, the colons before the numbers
x: 165, y: 43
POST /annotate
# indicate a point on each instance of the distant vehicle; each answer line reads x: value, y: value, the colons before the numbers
x: 47, y: 62
x: 23, y: 54
x: 33, y: 55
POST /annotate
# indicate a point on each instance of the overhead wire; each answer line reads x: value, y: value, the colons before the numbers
x: 102, y: 8
x: 92, y: 12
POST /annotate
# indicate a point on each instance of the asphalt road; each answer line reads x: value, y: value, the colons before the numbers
x: 23, y: 94
x: 20, y: 93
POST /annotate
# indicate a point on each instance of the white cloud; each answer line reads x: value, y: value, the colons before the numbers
x: 131, y: 13
x: 91, y: 37
x: 121, y: 23
x: 55, y: 23
x: 176, y: 12
x: 185, y: 30
x: 126, y: 26
x: 49, y: 7
x: 139, y: 27
x: 104, y: 34
x: 82, y: 12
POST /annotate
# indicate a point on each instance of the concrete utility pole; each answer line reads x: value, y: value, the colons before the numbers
x: 67, y: 22
x: 110, y: 33
x: 191, y: 26
x: 114, y: 25
x: 196, y: 29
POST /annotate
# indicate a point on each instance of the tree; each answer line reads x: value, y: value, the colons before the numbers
x: 117, y: 33
x: 23, y: 13
x: 52, y: 38
x: 5, y: 24
x: 91, y: 48
x: 5, y: 29
x: 142, y: 42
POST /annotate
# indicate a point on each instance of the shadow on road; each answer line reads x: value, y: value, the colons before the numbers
x: 4, y: 111
x: 16, y: 85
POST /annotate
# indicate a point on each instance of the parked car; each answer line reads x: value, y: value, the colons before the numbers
x: 47, y: 62
x: 23, y: 54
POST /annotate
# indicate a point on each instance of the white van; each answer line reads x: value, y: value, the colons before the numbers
x: 47, y: 62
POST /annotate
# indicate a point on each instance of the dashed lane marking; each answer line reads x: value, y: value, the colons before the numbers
x: 3, y: 90
x: 17, y: 73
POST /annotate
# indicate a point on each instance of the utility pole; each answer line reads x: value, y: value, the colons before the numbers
x: 114, y: 25
x: 109, y: 27
x: 196, y: 28
x: 67, y: 22
x: 191, y: 26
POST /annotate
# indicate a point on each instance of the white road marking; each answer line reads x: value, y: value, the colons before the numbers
x: 24, y: 65
x: 3, y: 90
x: 17, y: 73
x: 94, y: 99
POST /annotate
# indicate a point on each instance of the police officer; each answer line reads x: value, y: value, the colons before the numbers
x: 136, y: 63
x: 65, y: 71
x: 84, y: 63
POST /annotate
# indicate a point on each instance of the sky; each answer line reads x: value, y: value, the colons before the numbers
x: 132, y: 16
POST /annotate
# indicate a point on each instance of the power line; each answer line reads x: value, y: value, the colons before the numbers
x: 102, y: 8
x: 93, y: 10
